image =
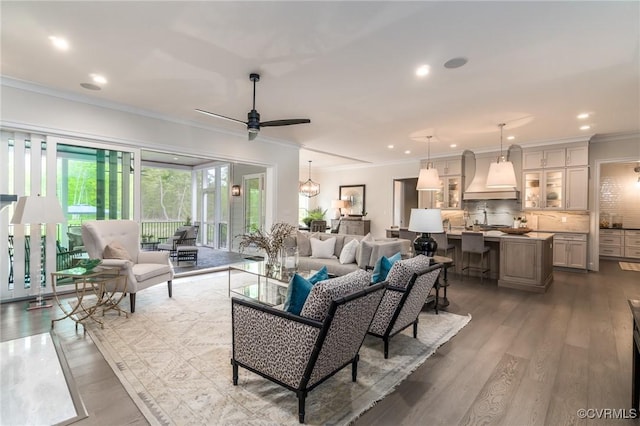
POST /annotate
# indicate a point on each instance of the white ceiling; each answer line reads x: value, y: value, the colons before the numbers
x: 348, y: 66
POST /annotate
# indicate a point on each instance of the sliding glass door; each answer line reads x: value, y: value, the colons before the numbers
x: 215, y: 206
x: 254, y: 202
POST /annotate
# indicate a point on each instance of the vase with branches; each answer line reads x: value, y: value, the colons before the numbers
x: 271, y: 242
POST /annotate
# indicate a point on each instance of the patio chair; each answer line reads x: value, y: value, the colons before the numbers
x: 143, y: 268
x: 182, y: 245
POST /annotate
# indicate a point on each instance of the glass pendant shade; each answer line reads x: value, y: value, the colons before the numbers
x: 501, y: 174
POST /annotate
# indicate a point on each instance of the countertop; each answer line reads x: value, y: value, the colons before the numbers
x: 496, y: 235
x: 622, y: 229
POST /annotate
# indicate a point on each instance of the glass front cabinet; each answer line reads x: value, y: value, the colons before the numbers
x: 449, y: 195
x: 544, y: 189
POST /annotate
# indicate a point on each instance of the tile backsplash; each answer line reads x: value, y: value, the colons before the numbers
x: 502, y: 212
x: 620, y: 193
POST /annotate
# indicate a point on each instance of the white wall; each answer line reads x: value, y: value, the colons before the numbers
x: 23, y: 108
x: 378, y: 181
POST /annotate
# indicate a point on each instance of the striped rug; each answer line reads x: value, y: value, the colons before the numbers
x: 630, y: 266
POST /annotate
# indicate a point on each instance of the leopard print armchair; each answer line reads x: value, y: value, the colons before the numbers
x: 299, y: 352
x: 409, y: 283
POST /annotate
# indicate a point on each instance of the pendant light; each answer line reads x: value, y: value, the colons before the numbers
x: 501, y: 173
x: 309, y: 188
x: 428, y: 179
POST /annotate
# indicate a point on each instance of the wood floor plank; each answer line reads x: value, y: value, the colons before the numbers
x: 566, y: 349
x: 495, y: 396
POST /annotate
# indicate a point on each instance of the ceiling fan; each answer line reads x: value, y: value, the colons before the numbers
x: 253, y: 123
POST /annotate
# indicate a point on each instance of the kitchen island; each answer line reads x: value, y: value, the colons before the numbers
x: 517, y: 261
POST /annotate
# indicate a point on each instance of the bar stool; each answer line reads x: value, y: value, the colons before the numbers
x: 473, y: 243
x: 444, y: 246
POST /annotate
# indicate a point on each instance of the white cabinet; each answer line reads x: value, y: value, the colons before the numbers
x: 632, y: 243
x: 448, y: 167
x: 566, y: 156
x: 450, y: 193
x: 577, y: 188
x: 543, y: 189
x: 611, y: 242
x: 544, y: 159
x: 570, y: 251
x: 577, y: 156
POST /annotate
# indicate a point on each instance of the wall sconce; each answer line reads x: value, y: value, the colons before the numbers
x: 235, y: 190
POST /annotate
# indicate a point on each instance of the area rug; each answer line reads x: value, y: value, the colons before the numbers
x: 630, y: 266
x: 173, y: 357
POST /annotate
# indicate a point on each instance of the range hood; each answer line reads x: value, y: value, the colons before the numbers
x: 477, y: 189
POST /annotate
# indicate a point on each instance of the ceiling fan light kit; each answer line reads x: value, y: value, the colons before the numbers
x: 501, y: 173
x: 428, y: 180
x: 253, y: 117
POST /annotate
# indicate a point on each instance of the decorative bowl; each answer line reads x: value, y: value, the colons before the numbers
x: 515, y: 231
x: 89, y: 264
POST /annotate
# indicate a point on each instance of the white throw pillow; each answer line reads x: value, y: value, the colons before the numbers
x: 348, y: 253
x: 323, y: 249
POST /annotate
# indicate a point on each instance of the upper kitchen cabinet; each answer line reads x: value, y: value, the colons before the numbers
x: 556, y: 156
x: 449, y: 166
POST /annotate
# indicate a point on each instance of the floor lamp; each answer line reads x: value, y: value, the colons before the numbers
x: 37, y: 210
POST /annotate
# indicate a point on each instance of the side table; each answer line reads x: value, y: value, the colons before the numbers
x: 103, y: 283
x: 149, y: 245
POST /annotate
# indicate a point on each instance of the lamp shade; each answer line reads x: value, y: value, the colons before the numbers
x: 425, y: 220
x: 34, y: 209
x: 339, y: 204
x: 501, y: 175
x: 428, y: 180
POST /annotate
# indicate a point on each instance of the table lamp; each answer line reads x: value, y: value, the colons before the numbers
x: 425, y: 221
x: 37, y: 210
x: 339, y: 205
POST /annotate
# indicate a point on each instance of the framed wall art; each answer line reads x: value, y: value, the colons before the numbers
x: 355, y: 195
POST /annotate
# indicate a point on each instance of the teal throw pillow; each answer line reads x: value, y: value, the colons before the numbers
x: 299, y: 289
x: 382, y: 268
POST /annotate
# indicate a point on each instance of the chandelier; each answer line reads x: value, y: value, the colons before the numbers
x: 309, y: 188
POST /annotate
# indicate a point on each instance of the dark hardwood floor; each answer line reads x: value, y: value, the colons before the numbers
x: 524, y: 359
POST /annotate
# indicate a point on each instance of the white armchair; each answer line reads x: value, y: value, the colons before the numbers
x: 145, y: 269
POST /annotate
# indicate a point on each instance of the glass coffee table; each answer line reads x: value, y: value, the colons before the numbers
x: 254, y: 281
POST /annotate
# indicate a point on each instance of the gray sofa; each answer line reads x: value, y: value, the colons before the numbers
x: 367, y: 254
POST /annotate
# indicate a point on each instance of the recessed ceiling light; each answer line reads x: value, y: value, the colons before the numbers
x: 583, y: 116
x: 97, y: 78
x: 510, y: 138
x: 585, y: 127
x: 407, y: 152
x: 456, y: 62
x: 390, y: 146
x: 453, y: 145
x: 423, y: 70
x: 59, y: 43
x: 175, y: 158
x: 90, y: 86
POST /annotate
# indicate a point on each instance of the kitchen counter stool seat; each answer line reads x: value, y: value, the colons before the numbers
x: 473, y: 244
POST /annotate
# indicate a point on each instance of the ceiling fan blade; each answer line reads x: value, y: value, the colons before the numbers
x: 253, y: 135
x: 288, y: 122
x: 220, y: 116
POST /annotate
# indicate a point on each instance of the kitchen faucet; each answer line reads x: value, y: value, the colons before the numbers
x: 484, y: 222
